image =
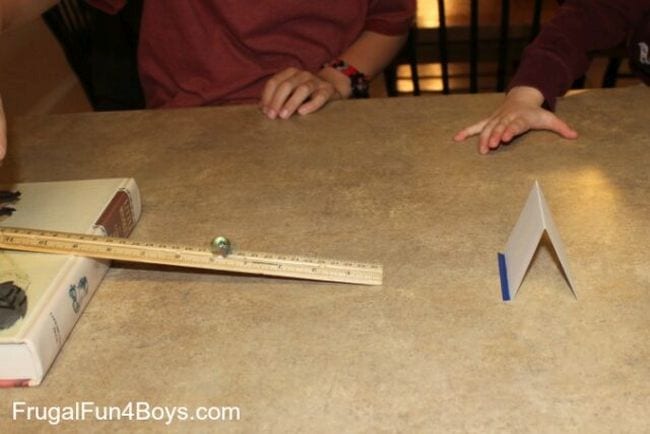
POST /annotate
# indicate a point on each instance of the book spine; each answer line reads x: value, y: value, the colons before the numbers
x: 79, y: 280
x: 122, y: 212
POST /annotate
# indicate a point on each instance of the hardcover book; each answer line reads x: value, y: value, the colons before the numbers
x: 43, y: 295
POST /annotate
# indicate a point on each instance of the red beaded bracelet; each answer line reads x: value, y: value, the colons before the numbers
x: 358, y: 81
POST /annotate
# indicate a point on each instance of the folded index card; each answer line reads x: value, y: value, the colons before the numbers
x: 535, y: 218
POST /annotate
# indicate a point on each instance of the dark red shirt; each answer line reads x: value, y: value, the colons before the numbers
x: 560, y: 54
x: 204, y: 52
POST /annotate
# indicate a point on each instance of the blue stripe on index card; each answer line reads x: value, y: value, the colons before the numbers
x: 503, y: 274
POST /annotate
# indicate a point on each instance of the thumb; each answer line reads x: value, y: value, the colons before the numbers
x: 555, y: 124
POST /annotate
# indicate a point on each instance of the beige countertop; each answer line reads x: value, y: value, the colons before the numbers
x: 432, y: 350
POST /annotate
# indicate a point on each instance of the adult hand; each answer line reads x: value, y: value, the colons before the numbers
x: 519, y: 113
x: 295, y: 90
x: 3, y: 132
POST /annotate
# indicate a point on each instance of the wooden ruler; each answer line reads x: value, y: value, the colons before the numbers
x: 123, y: 249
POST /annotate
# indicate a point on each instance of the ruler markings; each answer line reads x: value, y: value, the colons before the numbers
x: 263, y: 263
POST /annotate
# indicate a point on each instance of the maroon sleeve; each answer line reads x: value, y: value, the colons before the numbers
x: 559, y: 55
x: 109, y: 6
x: 390, y: 17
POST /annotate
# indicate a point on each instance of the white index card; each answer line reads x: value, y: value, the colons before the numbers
x: 535, y: 218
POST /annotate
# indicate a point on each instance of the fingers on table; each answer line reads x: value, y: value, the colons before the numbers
x: 489, y: 139
x: 318, y: 99
x: 285, y: 93
x: 470, y: 131
x: 272, y: 85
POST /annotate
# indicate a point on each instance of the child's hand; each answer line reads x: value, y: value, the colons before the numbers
x: 294, y: 90
x: 519, y: 113
x: 3, y: 132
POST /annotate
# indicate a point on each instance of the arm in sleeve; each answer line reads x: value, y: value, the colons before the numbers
x: 560, y: 54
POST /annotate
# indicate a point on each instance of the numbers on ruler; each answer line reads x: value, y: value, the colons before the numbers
x: 254, y: 262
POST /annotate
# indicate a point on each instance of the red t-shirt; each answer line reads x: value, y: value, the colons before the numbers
x: 204, y: 52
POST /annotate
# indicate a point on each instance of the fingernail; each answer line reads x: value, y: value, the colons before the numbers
x: 271, y: 113
x: 284, y: 114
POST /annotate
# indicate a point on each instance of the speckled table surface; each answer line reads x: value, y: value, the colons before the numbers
x: 434, y: 348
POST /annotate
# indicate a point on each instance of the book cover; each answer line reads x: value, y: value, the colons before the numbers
x: 44, y: 294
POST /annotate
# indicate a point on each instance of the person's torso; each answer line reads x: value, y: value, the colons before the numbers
x: 223, y: 51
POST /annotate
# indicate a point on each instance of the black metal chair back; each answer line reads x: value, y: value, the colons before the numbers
x: 408, y: 55
x: 446, y: 44
x: 503, y: 57
x: 71, y: 23
x: 102, y: 50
